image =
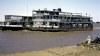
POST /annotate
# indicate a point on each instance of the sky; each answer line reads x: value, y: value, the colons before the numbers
x: 25, y: 7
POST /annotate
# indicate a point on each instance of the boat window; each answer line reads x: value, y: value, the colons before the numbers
x: 60, y: 17
x: 65, y: 17
x: 47, y: 17
x: 53, y: 23
x: 55, y: 17
x: 44, y: 23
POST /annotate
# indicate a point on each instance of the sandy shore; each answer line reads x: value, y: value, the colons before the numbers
x: 60, y: 51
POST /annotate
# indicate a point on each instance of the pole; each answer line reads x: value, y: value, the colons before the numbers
x: 26, y: 21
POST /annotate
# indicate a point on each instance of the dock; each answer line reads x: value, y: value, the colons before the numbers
x: 11, y: 27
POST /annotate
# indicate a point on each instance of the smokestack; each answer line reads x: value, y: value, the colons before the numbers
x: 54, y: 9
x: 59, y: 9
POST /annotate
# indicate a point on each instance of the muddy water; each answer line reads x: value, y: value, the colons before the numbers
x: 31, y: 41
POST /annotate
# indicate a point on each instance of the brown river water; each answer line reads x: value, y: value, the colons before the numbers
x: 20, y: 41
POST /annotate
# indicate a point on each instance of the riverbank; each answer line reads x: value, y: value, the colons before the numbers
x: 60, y: 51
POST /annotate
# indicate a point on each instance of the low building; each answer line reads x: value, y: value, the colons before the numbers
x: 24, y: 21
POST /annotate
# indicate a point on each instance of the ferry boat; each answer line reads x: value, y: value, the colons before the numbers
x: 60, y: 21
x: 51, y: 20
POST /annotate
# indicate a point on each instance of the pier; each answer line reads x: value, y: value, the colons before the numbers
x: 11, y: 27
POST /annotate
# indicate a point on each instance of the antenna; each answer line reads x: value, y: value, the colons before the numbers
x: 86, y: 14
x: 27, y: 7
x: 26, y: 21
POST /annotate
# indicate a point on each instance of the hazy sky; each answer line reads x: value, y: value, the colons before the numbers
x: 25, y: 7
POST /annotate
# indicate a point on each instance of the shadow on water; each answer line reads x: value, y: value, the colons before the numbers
x: 31, y: 41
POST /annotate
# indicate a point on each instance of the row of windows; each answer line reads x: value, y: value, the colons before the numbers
x: 64, y: 24
x: 50, y: 17
x: 46, y: 12
x: 63, y: 17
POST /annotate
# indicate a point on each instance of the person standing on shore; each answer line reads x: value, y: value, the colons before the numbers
x: 88, y: 40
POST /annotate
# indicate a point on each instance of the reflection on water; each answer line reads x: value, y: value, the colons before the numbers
x: 31, y: 41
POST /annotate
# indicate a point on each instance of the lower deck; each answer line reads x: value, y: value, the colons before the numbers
x: 53, y: 27
x: 65, y: 27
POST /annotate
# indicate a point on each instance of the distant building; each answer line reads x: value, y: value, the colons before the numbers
x: 24, y: 21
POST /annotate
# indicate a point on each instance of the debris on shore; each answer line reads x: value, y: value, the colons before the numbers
x: 91, y: 44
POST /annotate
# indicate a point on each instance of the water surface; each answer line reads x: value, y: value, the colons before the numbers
x: 18, y: 41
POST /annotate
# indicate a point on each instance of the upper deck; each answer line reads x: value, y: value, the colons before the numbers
x: 57, y: 13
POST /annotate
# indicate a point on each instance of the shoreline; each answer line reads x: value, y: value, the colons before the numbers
x: 59, y: 51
